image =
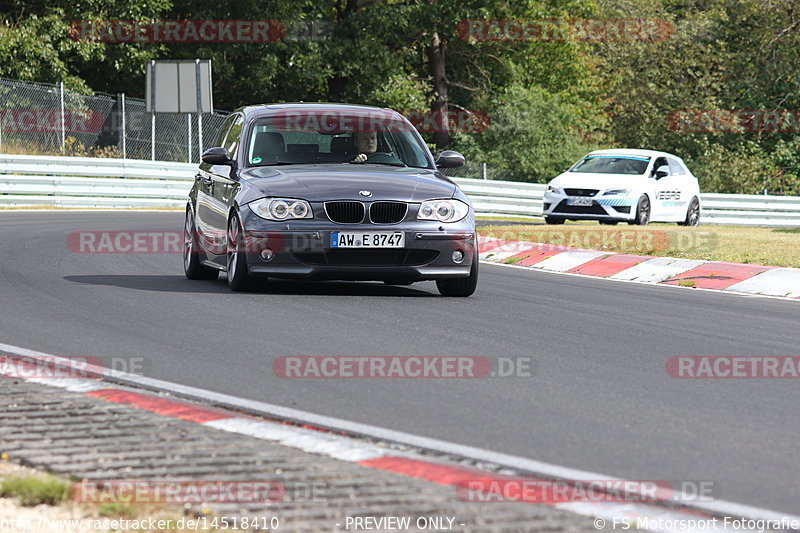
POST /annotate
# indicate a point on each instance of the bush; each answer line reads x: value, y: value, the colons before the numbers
x: 535, y: 133
x: 739, y: 171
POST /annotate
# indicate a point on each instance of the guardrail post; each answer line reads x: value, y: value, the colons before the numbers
x: 483, y: 170
x: 153, y: 136
x: 124, y: 133
x: 189, y: 136
x: 199, y: 95
x: 63, y: 122
x: 200, y: 135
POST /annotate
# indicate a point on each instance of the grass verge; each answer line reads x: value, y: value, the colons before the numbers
x: 35, y: 489
x: 33, y: 496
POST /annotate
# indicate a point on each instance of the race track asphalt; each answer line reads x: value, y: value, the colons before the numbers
x: 599, y: 399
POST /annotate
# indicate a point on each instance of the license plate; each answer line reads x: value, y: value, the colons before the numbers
x: 580, y: 201
x: 382, y: 239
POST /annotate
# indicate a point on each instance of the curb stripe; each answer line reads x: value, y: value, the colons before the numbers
x: 568, y: 260
x: 162, y: 406
x: 775, y: 282
x: 657, y: 269
x: 531, y: 257
x: 603, y: 267
x: 505, y: 251
x: 435, y: 472
x: 718, y: 275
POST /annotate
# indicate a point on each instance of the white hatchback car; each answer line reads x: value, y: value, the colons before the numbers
x: 633, y: 186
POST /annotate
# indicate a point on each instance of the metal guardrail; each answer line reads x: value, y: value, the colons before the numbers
x: 126, y: 183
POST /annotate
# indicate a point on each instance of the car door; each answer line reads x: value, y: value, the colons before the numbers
x: 662, y: 190
x: 206, y: 207
x: 683, y: 190
x: 224, y: 184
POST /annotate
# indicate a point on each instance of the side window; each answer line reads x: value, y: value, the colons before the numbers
x: 223, y: 131
x: 675, y: 167
x: 233, y: 137
x: 661, y: 161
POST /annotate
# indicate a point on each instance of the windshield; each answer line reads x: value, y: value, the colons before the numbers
x: 605, y: 164
x: 307, y: 137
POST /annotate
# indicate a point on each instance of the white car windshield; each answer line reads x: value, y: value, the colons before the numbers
x: 616, y: 164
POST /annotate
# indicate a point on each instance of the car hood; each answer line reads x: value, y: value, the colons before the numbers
x: 317, y: 183
x: 588, y: 180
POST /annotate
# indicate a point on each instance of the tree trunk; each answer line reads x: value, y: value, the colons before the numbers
x: 436, y: 64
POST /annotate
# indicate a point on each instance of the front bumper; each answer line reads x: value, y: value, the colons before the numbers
x: 601, y: 208
x: 301, y: 249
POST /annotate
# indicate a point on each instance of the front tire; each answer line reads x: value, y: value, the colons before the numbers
x: 642, y: 211
x: 609, y: 222
x: 692, y: 214
x: 192, y: 266
x: 460, y: 287
x: 239, y: 278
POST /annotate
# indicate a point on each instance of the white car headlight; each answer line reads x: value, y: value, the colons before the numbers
x: 616, y: 192
x: 554, y: 190
x: 281, y: 208
x: 443, y: 210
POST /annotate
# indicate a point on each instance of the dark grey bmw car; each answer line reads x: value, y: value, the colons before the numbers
x: 328, y: 191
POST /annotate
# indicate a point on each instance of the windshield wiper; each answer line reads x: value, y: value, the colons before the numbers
x: 377, y: 163
x: 276, y: 163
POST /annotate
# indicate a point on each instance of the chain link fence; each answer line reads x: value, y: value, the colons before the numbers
x: 52, y: 119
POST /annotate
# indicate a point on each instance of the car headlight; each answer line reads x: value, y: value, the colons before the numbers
x: 443, y: 210
x: 281, y: 208
x: 616, y: 192
x: 554, y: 190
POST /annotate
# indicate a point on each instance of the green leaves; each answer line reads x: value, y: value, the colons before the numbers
x: 548, y: 101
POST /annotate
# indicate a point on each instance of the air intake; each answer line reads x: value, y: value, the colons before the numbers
x: 345, y: 212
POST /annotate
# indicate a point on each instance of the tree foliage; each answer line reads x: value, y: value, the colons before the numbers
x: 549, y: 101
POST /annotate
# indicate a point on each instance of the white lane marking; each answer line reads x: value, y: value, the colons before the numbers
x: 783, y: 282
x: 657, y: 269
x: 532, y: 466
x: 568, y: 260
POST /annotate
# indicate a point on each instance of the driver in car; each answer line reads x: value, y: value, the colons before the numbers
x: 366, y: 143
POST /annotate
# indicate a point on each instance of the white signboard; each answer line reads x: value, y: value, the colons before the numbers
x: 179, y: 87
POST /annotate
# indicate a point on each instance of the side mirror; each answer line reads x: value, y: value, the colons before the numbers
x: 661, y: 172
x: 450, y: 159
x: 216, y: 156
